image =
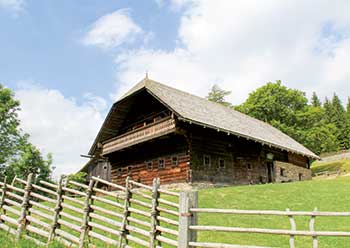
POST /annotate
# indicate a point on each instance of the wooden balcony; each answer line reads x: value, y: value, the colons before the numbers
x: 151, y: 131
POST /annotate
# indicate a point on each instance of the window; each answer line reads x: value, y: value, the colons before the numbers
x: 300, y: 176
x: 174, y: 161
x: 249, y: 166
x: 129, y: 169
x: 119, y: 173
x: 149, y: 165
x: 221, y: 164
x: 161, y: 163
x: 282, y: 172
x: 206, y: 160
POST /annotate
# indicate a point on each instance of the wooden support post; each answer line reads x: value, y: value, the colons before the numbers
x: 14, y: 180
x: 126, y: 214
x: 24, y: 207
x: 293, y: 228
x: 312, y: 229
x: 3, y: 195
x: 188, y: 200
x: 58, y: 209
x: 154, y: 213
x: 84, y: 226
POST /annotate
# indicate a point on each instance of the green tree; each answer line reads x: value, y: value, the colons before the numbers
x: 315, y: 101
x: 9, y: 133
x: 218, y: 95
x: 30, y: 160
x: 274, y: 102
x: 348, y: 106
x: 17, y: 155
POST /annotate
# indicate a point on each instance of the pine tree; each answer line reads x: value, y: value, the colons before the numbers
x: 315, y: 101
x: 340, y: 121
x: 348, y: 106
x: 328, y: 108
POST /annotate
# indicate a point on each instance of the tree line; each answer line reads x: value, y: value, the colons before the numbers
x: 321, y: 126
x: 17, y: 155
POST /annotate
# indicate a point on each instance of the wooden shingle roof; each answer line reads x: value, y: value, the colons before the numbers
x: 200, y: 111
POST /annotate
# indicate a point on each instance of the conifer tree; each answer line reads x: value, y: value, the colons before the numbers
x: 315, y: 101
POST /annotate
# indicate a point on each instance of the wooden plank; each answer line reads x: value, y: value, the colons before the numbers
x: 106, y: 211
x: 126, y: 214
x: 13, y: 195
x: 39, y: 205
x: 73, y: 191
x: 41, y: 214
x: 11, y: 202
x: 67, y: 236
x: 269, y: 231
x: 113, y: 185
x: 168, y: 241
x: 268, y: 212
x: 44, y: 190
x: 105, y: 219
x: 221, y: 245
x: 69, y: 225
x: 154, y: 212
x: 75, y: 209
x: 188, y: 200
x: 22, y: 223
x: 104, y: 228
x: 73, y: 199
x: 38, y: 222
x: 168, y: 230
x: 137, y: 240
x: 51, y: 185
x: 71, y: 217
x: 168, y: 221
x: 85, y: 220
x: 113, y: 203
x: 102, y: 238
x: 36, y: 230
x: 12, y: 210
x: 41, y: 197
x: 9, y: 219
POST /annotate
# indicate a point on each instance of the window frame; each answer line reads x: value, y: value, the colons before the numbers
x: 209, y: 159
x: 219, y: 164
x: 172, y: 161
x: 149, y: 165
x: 161, y: 167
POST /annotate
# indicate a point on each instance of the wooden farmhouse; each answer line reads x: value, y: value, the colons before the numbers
x: 158, y: 131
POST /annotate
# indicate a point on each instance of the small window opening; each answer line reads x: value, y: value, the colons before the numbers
x: 105, y: 167
x: 249, y: 166
x: 149, y: 165
x: 174, y: 161
x: 221, y: 163
x: 282, y: 172
x: 161, y: 164
x: 206, y: 160
x: 129, y: 169
x: 300, y: 176
x: 119, y: 172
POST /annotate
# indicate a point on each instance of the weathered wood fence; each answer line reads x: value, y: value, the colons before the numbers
x: 131, y: 215
x: 100, y: 213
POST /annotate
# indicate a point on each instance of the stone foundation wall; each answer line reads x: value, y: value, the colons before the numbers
x: 287, y: 172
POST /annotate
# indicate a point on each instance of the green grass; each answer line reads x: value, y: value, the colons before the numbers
x: 332, y: 166
x: 326, y: 195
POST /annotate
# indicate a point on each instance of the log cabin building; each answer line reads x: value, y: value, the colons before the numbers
x: 157, y: 131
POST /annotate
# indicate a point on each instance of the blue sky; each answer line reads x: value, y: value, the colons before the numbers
x: 67, y: 61
x: 42, y: 43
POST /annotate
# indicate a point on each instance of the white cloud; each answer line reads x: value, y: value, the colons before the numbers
x: 60, y: 125
x: 242, y: 44
x: 112, y: 30
x: 14, y: 6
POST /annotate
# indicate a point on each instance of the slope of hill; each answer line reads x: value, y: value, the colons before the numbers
x: 326, y: 195
x: 332, y: 163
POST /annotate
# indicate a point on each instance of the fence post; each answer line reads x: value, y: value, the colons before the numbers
x: 312, y: 229
x: 85, y: 220
x: 293, y: 228
x: 188, y: 200
x: 154, y: 213
x: 2, y: 199
x: 126, y: 214
x: 24, y: 207
x: 58, y: 209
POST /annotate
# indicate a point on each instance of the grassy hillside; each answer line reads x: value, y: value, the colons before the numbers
x: 331, y: 166
x: 326, y: 195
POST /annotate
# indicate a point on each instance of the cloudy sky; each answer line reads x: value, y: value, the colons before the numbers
x: 68, y: 61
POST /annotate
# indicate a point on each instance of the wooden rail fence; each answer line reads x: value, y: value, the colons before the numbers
x: 103, y: 213
x: 100, y: 213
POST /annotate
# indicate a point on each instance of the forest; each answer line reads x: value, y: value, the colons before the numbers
x: 321, y: 125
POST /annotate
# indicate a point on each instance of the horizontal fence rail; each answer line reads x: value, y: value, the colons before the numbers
x: 291, y: 233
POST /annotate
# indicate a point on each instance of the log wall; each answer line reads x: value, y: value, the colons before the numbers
x: 135, y: 162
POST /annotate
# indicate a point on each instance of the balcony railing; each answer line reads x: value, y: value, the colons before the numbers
x: 151, y: 131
